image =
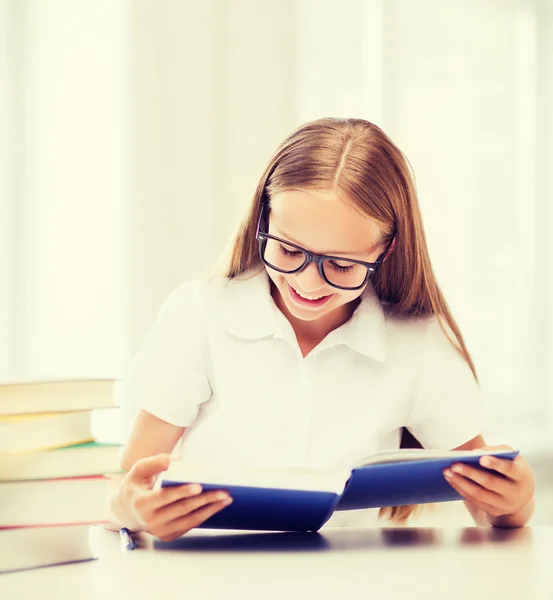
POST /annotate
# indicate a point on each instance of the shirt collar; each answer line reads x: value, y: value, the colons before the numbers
x: 365, y: 331
x: 250, y: 313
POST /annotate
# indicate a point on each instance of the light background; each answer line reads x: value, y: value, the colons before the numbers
x: 133, y: 134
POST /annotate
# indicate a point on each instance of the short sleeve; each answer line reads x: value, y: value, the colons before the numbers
x: 167, y: 377
x: 447, y: 409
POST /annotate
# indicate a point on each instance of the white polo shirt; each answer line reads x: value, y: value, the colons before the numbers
x: 223, y: 361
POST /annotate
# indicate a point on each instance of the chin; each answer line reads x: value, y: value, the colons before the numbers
x: 308, y: 315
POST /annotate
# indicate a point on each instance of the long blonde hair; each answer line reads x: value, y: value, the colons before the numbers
x: 356, y: 160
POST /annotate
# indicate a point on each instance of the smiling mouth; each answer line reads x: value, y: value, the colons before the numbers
x: 312, y: 301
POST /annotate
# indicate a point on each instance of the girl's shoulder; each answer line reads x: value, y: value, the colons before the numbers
x: 219, y: 289
x: 218, y: 299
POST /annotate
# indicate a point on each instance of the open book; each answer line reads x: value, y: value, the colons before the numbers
x: 304, y: 499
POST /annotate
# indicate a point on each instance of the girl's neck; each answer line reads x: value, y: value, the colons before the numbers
x: 310, y: 334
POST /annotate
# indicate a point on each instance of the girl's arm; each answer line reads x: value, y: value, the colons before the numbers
x: 150, y: 435
x: 167, y: 512
x: 506, y: 501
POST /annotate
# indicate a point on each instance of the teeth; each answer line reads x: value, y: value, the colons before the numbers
x: 305, y: 297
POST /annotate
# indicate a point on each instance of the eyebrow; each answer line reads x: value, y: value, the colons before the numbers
x: 330, y: 252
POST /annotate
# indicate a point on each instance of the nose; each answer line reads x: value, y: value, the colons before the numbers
x: 309, y: 280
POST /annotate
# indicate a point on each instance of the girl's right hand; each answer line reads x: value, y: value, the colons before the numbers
x: 167, y: 512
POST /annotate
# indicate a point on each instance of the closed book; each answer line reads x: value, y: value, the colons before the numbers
x: 23, y: 549
x: 43, y: 431
x: 81, y: 460
x: 304, y: 499
x: 79, y: 500
x: 55, y: 395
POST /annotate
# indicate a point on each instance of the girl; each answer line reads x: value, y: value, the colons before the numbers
x: 326, y: 340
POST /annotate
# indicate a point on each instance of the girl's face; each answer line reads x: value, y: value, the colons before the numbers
x: 324, y: 224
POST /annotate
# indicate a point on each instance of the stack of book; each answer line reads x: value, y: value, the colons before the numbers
x: 52, y: 470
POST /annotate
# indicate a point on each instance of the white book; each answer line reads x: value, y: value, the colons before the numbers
x: 74, y: 501
x: 22, y: 549
x: 55, y: 395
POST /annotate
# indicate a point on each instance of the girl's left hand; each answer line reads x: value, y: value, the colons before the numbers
x: 498, y: 494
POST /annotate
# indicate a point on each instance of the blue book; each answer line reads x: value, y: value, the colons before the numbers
x: 304, y: 499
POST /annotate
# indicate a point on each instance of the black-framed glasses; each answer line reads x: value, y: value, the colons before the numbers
x: 339, y: 272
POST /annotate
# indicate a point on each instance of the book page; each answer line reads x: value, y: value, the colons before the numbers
x: 409, y: 454
x: 286, y: 478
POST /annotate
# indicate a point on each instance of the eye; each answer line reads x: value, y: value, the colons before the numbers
x: 288, y: 252
x: 343, y: 268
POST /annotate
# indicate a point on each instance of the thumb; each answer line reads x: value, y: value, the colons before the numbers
x: 145, y: 469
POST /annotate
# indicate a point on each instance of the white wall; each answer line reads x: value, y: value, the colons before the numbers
x: 544, y: 195
x: 68, y: 188
x: 6, y: 168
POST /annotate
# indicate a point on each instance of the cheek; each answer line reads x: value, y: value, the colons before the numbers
x: 279, y: 279
x: 274, y: 276
x: 344, y: 297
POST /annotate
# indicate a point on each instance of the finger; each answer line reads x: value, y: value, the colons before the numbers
x: 187, y: 506
x: 161, y: 497
x: 504, y: 466
x: 491, y: 509
x: 486, y: 479
x: 144, y: 469
x: 187, y: 522
x: 466, y: 487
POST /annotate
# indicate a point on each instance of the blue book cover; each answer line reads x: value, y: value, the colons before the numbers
x: 271, y: 509
x: 403, y: 482
x: 304, y: 500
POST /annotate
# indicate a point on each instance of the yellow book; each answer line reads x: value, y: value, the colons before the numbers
x: 81, y: 460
